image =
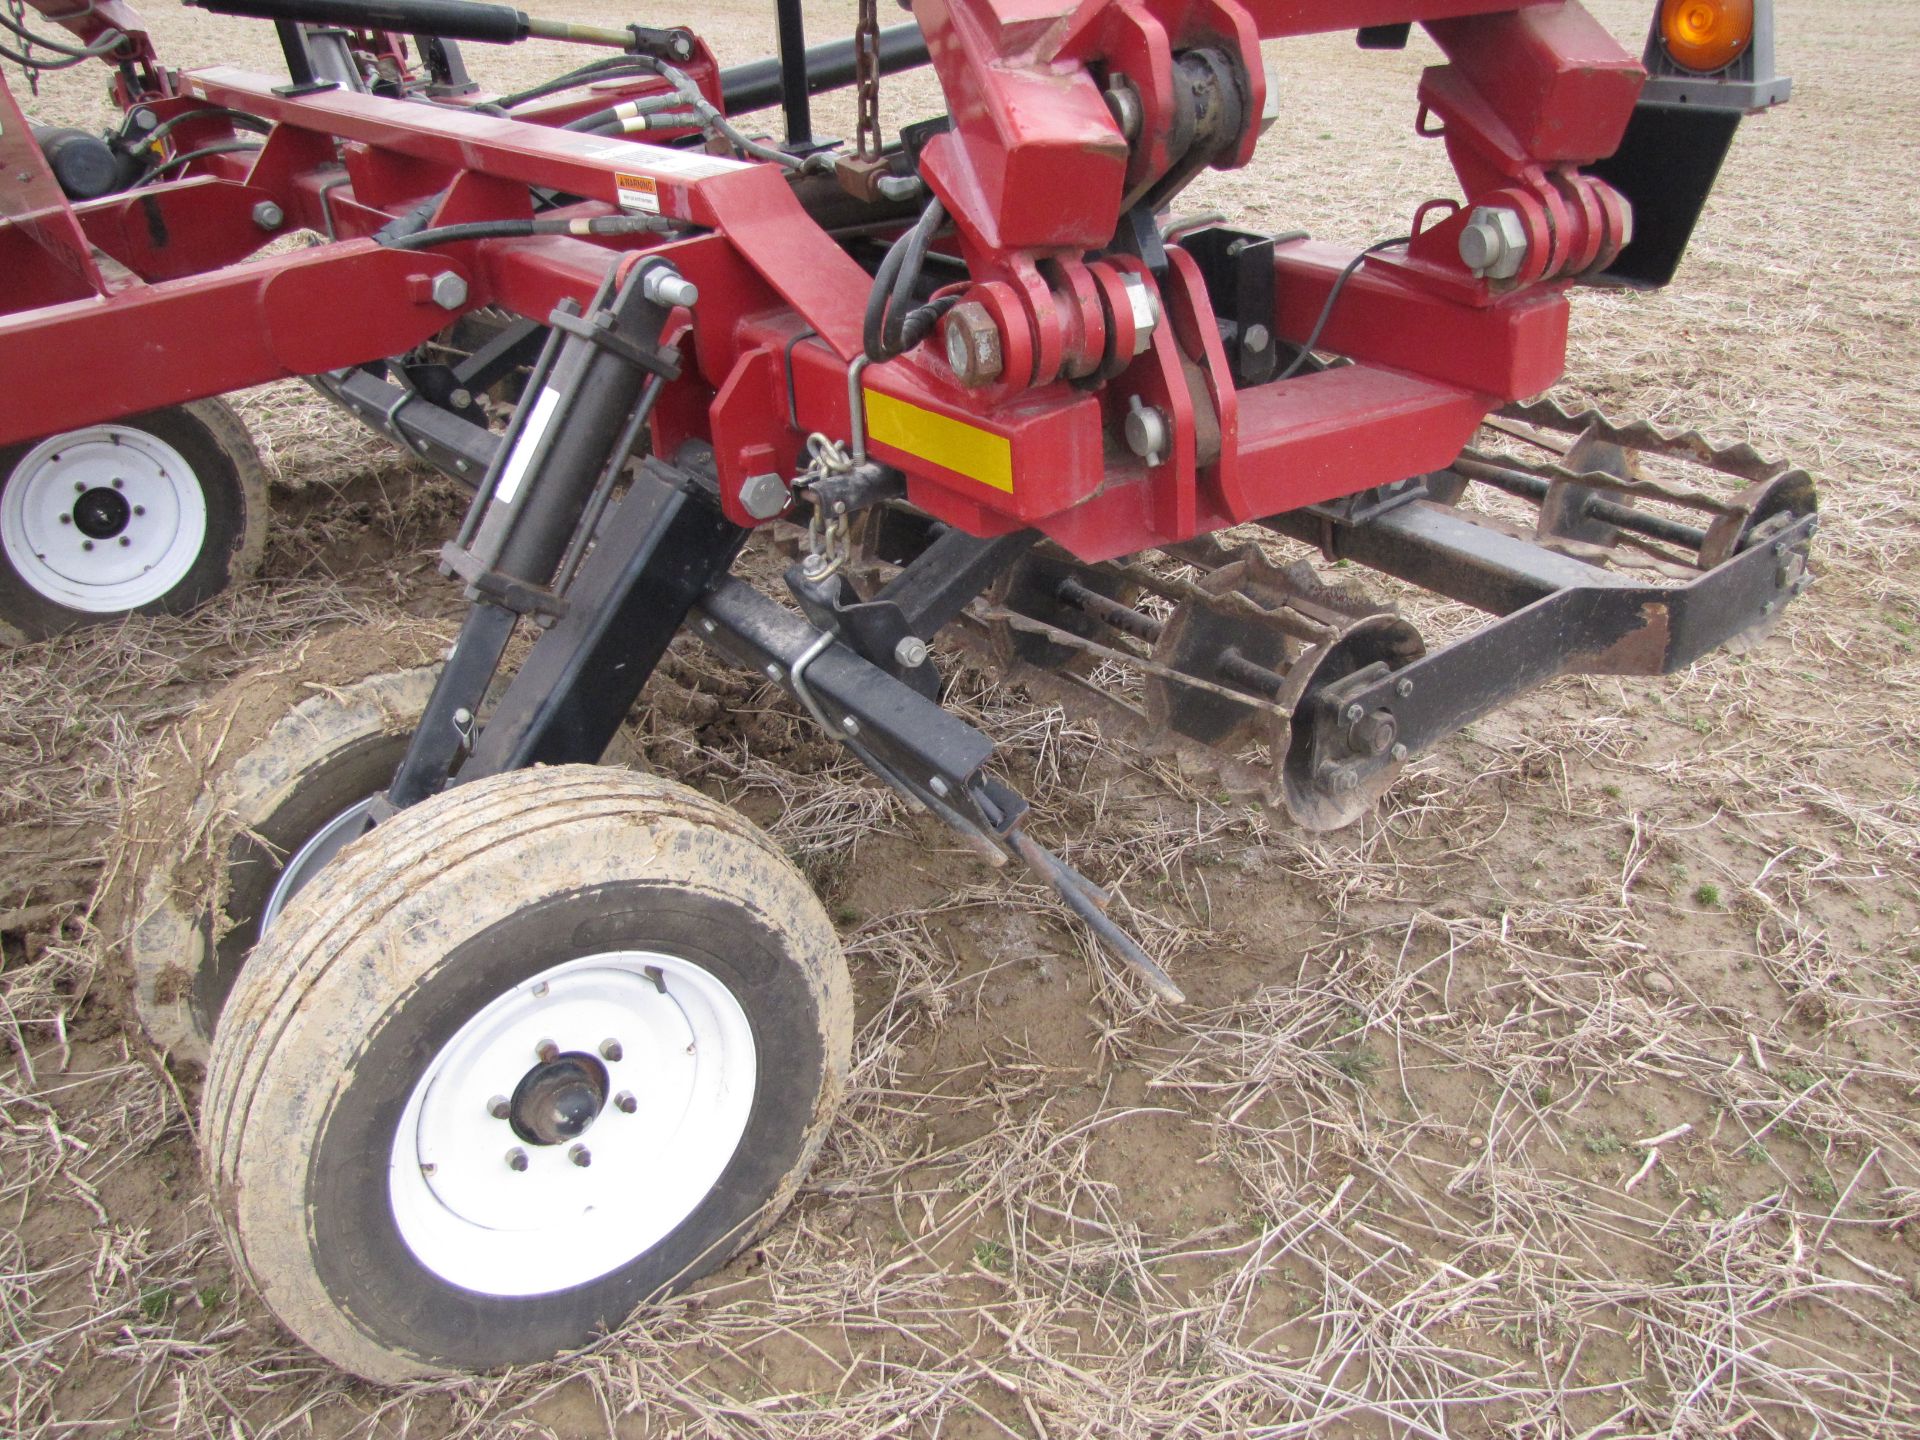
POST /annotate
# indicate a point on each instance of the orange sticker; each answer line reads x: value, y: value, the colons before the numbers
x: 637, y: 192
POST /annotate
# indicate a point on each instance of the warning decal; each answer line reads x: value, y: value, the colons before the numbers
x: 637, y: 192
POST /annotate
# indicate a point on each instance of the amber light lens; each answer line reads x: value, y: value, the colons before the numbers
x: 1706, y: 35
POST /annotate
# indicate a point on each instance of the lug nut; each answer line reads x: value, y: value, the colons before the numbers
x: 547, y: 1051
x: 498, y: 1107
x: 972, y: 338
x: 610, y: 1050
x: 516, y: 1159
x: 580, y: 1155
x: 625, y: 1103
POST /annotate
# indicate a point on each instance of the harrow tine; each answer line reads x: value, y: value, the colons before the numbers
x: 1080, y: 896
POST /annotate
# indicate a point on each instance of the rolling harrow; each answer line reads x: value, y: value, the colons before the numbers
x: 500, y: 1041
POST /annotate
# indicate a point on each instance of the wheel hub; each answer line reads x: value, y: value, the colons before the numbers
x: 557, y: 1100
x: 101, y: 520
x: 572, y: 1123
x: 101, y: 514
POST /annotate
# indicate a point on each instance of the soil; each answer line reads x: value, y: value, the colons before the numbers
x: 1387, y: 1171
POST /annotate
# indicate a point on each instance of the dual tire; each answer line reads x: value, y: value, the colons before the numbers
x: 512, y: 1063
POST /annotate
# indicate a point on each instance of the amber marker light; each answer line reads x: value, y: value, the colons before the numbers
x: 1706, y: 35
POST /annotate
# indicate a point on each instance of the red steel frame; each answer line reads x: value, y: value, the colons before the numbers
x: 156, y: 296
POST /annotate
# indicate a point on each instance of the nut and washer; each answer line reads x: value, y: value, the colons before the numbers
x: 764, y: 496
x: 972, y: 339
x: 269, y: 216
x: 448, y: 290
x: 1146, y: 430
x: 1494, y: 244
x: 1123, y: 103
x: 910, y: 653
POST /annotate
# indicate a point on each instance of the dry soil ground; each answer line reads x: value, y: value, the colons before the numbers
x: 1375, y: 1178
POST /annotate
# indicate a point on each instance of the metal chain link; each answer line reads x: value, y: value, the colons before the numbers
x: 866, y: 56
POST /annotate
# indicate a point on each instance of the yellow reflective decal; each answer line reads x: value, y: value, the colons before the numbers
x: 951, y: 444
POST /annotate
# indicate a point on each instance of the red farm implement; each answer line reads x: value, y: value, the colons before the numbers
x: 499, y: 1042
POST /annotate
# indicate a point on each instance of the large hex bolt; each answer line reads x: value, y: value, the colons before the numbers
x: 448, y: 290
x: 669, y: 287
x: 1144, y: 308
x: 269, y: 216
x: 1494, y: 244
x: 764, y: 496
x: 973, y: 344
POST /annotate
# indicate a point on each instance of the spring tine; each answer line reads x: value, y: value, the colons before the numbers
x: 1073, y: 888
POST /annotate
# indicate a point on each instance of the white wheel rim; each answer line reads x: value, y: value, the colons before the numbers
x: 103, y: 519
x: 475, y: 1216
x: 327, y: 842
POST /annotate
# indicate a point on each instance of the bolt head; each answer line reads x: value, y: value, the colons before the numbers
x: 1353, y: 713
x: 850, y: 725
x: 972, y: 340
x: 547, y: 1052
x: 498, y: 1107
x: 449, y: 291
x: 669, y: 287
x: 580, y: 1155
x: 611, y: 1050
x: 1256, y: 340
x: 269, y: 216
x: 1494, y: 243
x: 763, y: 496
x: 1399, y: 753
x: 516, y: 1159
x: 625, y: 1103
x: 1144, y: 310
x: 1403, y: 688
x: 911, y: 652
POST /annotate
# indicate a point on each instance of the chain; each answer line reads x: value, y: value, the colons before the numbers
x: 866, y: 55
x: 18, y: 10
x: 829, y: 542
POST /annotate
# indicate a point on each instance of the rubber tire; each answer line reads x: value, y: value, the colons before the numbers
x: 410, y: 931
x: 196, y: 925
x: 212, y: 439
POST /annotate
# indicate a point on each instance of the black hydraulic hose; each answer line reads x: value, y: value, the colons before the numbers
x: 830, y: 66
x: 225, y: 147
x: 613, y: 67
x: 515, y: 229
x: 1326, y: 310
x: 99, y: 47
x: 891, y: 325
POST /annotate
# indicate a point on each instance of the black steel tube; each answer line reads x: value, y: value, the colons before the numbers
x: 1526, y: 486
x: 830, y: 66
x: 793, y: 72
x: 449, y: 19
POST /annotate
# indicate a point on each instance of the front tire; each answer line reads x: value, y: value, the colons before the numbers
x: 151, y: 515
x: 526, y: 1055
